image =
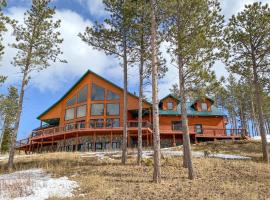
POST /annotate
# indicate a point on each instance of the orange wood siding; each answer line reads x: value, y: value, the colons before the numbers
x: 198, y: 105
x: 167, y: 100
x: 207, y: 122
x: 58, y: 111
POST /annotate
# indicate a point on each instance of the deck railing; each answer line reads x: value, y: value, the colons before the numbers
x: 90, y: 125
x: 223, y: 132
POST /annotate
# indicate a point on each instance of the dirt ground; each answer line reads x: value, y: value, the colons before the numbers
x: 108, y: 179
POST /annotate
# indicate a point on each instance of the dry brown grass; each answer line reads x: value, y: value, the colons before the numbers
x: 107, y: 179
x: 252, y: 149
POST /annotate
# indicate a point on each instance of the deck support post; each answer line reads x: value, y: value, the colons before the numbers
x: 147, y: 139
x: 111, y: 141
x: 128, y: 142
x: 196, y: 140
x: 94, y: 141
x: 41, y: 146
x: 64, y: 147
x: 30, y: 147
x: 174, y: 143
x: 52, y: 144
x: 77, y: 141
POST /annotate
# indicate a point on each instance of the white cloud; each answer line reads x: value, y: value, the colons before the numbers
x: 79, y: 55
x: 95, y: 7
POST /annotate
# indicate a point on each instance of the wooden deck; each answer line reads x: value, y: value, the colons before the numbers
x: 50, y: 136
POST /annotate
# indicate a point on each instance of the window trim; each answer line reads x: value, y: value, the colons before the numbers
x: 72, y: 108
x: 104, y: 95
x: 107, y: 94
x: 170, y: 102
x: 195, y: 128
x: 86, y: 86
x: 113, y: 104
x: 172, y: 125
x: 98, y: 114
x: 75, y: 102
x: 85, y: 110
x: 204, y: 103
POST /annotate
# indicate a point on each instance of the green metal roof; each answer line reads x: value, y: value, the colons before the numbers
x: 85, y: 74
x: 192, y: 112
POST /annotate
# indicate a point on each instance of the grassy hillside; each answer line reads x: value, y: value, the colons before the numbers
x: 108, y: 179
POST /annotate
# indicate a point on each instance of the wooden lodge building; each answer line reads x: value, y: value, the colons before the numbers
x: 89, y: 117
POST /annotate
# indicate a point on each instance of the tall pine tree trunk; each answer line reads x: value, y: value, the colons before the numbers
x: 125, y: 114
x: 259, y: 109
x: 139, y: 158
x: 156, y: 134
x: 187, y: 157
x: 17, y: 122
x: 2, y: 134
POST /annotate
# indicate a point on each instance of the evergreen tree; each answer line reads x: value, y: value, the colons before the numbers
x: 8, y: 109
x: 193, y: 27
x: 156, y: 133
x: 113, y: 36
x: 37, y: 44
x: 4, y: 20
x: 247, y: 42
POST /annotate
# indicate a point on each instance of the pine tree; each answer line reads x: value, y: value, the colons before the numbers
x: 193, y: 27
x: 8, y: 109
x: 113, y: 37
x: 156, y: 133
x: 247, y: 43
x: 37, y: 44
x: 4, y: 20
x: 141, y: 27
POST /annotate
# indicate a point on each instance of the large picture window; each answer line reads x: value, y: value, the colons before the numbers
x: 112, y: 123
x: 112, y: 96
x: 96, y: 123
x: 98, y: 93
x: 112, y: 109
x: 69, y: 114
x: 81, y: 111
x: 97, y: 109
x: 82, y: 95
x: 176, y: 125
x: 71, y: 101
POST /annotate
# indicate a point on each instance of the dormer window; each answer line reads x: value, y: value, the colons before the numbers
x: 204, y: 107
x: 170, y: 105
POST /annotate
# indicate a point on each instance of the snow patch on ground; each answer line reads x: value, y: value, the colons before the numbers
x: 259, y: 138
x: 34, y: 184
x: 166, y: 152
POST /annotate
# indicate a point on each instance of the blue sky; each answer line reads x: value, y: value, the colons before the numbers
x: 48, y: 86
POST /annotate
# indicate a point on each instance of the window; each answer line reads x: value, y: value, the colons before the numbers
x: 69, y: 114
x: 69, y: 127
x: 112, y: 96
x: 176, y: 125
x: 97, y: 109
x: 116, y: 145
x: 112, y: 109
x: 204, y: 106
x: 198, y: 128
x: 112, y: 123
x: 170, y: 105
x: 71, y: 101
x: 99, y: 146
x: 82, y: 95
x: 98, y: 93
x: 81, y: 111
x: 80, y: 124
x: 96, y: 123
